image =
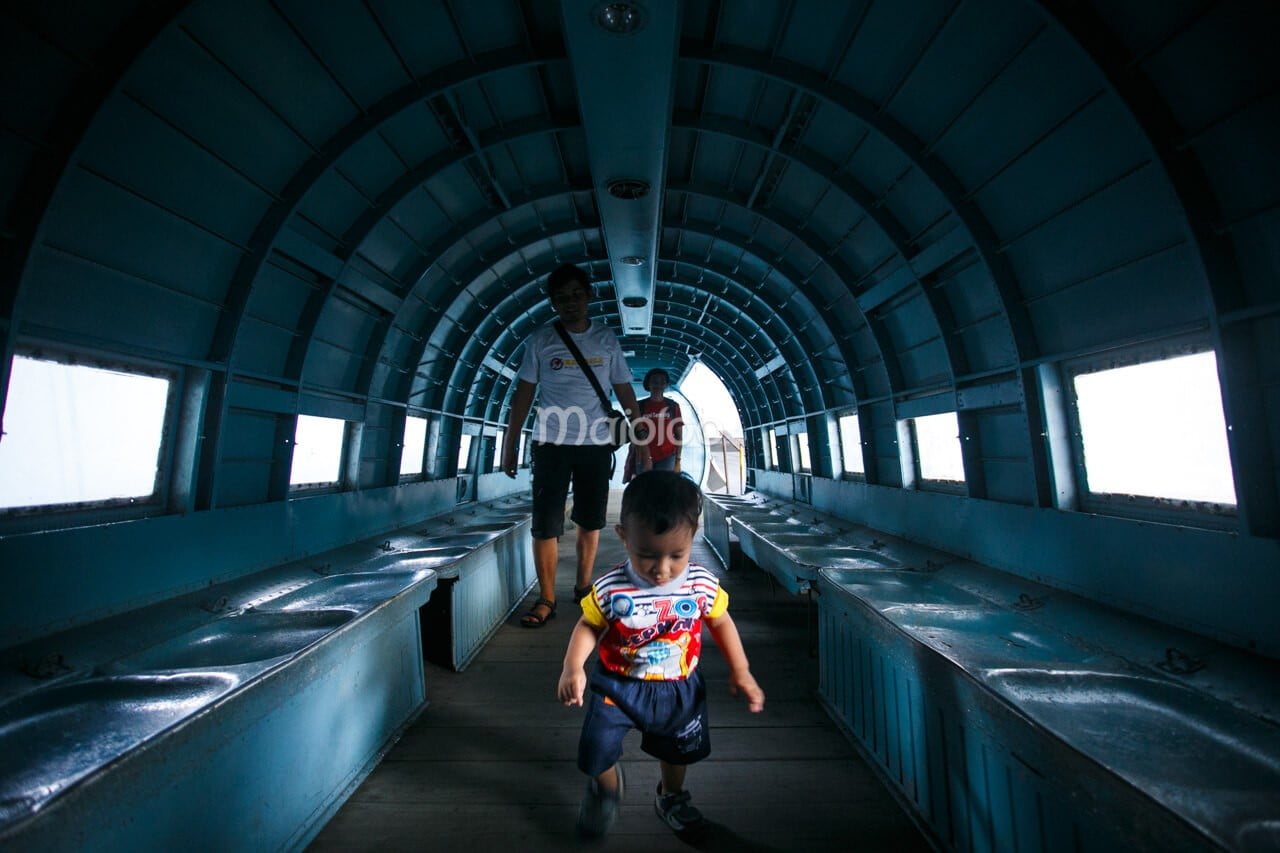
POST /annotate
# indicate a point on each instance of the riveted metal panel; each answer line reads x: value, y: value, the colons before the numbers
x: 137, y: 239
x: 182, y: 81
x: 1037, y: 87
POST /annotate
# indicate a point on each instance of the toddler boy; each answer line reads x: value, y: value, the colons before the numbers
x: 647, y: 616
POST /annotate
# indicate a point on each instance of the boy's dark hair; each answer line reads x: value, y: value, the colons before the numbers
x: 567, y: 274
x: 657, y: 371
x: 662, y: 500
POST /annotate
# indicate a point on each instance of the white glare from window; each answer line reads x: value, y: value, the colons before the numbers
x: 74, y: 434
x: 498, y: 439
x: 464, y: 454
x: 714, y: 404
x: 851, y: 445
x: 770, y: 450
x: 1156, y: 429
x: 317, y: 450
x: 415, y: 443
x: 802, y: 442
x: 938, y: 446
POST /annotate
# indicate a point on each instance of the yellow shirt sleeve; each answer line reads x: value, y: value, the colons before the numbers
x: 720, y: 605
x: 591, y: 612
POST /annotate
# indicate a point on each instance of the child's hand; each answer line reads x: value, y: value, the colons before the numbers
x: 573, y: 683
x: 745, y: 684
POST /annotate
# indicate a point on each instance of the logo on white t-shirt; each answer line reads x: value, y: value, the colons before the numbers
x: 557, y: 363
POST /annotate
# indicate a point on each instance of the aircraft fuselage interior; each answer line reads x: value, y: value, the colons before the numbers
x: 971, y: 309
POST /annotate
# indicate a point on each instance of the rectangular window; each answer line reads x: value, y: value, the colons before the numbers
x: 464, y: 453
x: 498, y: 440
x: 523, y: 448
x: 415, y: 445
x: 851, y: 444
x: 317, y: 451
x: 1155, y: 429
x: 802, y: 446
x: 938, y: 447
x: 77, y: 434
x: 771, y: 450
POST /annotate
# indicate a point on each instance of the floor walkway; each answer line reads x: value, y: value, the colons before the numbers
x: 489, y: 765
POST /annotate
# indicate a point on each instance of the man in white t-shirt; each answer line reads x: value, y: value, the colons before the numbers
x: 570, y: 433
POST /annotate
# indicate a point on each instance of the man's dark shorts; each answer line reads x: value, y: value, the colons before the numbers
x: 670, y: 715
x: 554, y: 466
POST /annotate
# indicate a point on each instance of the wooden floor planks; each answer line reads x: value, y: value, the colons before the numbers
x: 489, y: 765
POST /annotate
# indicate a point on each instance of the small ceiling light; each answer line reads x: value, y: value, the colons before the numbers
x: 634, y: 301
x: 632, y: 260
x: 619, y: 18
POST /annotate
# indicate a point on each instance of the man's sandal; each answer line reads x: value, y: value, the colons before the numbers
x: 533, y: 620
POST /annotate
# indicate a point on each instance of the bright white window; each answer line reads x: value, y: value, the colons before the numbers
x: 938, y: 447
x: 851, y: 444
x: 497, y: 449
x: 74, y: 434
x: 802, y: 445
x: 1156, y: 429
x: 415, y: 444
x: 464, y: 453
x: 771, y: 450
x: 522, y: 446
x: 317, y: 450
x: 716, y: 412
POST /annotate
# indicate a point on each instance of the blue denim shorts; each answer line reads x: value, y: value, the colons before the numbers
x: 666, y: 463
x: 671, y: 717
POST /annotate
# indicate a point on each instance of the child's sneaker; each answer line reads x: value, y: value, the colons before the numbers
x: 599, y: 808
x: 675, y: 811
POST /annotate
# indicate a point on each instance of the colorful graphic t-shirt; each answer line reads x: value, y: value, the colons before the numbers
x: 653, y: 632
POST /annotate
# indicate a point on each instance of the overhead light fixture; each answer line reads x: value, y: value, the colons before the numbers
x: 628, y: 189
x: 634, y: 301
x: 621, y: 19
x: 632, y: 260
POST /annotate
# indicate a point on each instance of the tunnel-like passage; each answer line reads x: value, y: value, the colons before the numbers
x: 866, y: 218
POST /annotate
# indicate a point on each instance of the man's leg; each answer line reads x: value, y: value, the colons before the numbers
x: 546, y: 554
x: 588, y: 542
x: 590, y: 505
x: 551, y: 474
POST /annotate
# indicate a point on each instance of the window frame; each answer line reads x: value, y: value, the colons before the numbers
x: 931, y: 484
x: 845, y: 472
x: 1182, y: 511
x: 321, y: 486
x: 75, y: 513
x: 800, y: 448
x: 467, y: 448
x: 421, y: 473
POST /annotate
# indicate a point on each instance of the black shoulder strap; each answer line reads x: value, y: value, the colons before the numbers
x: 582, y: 362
